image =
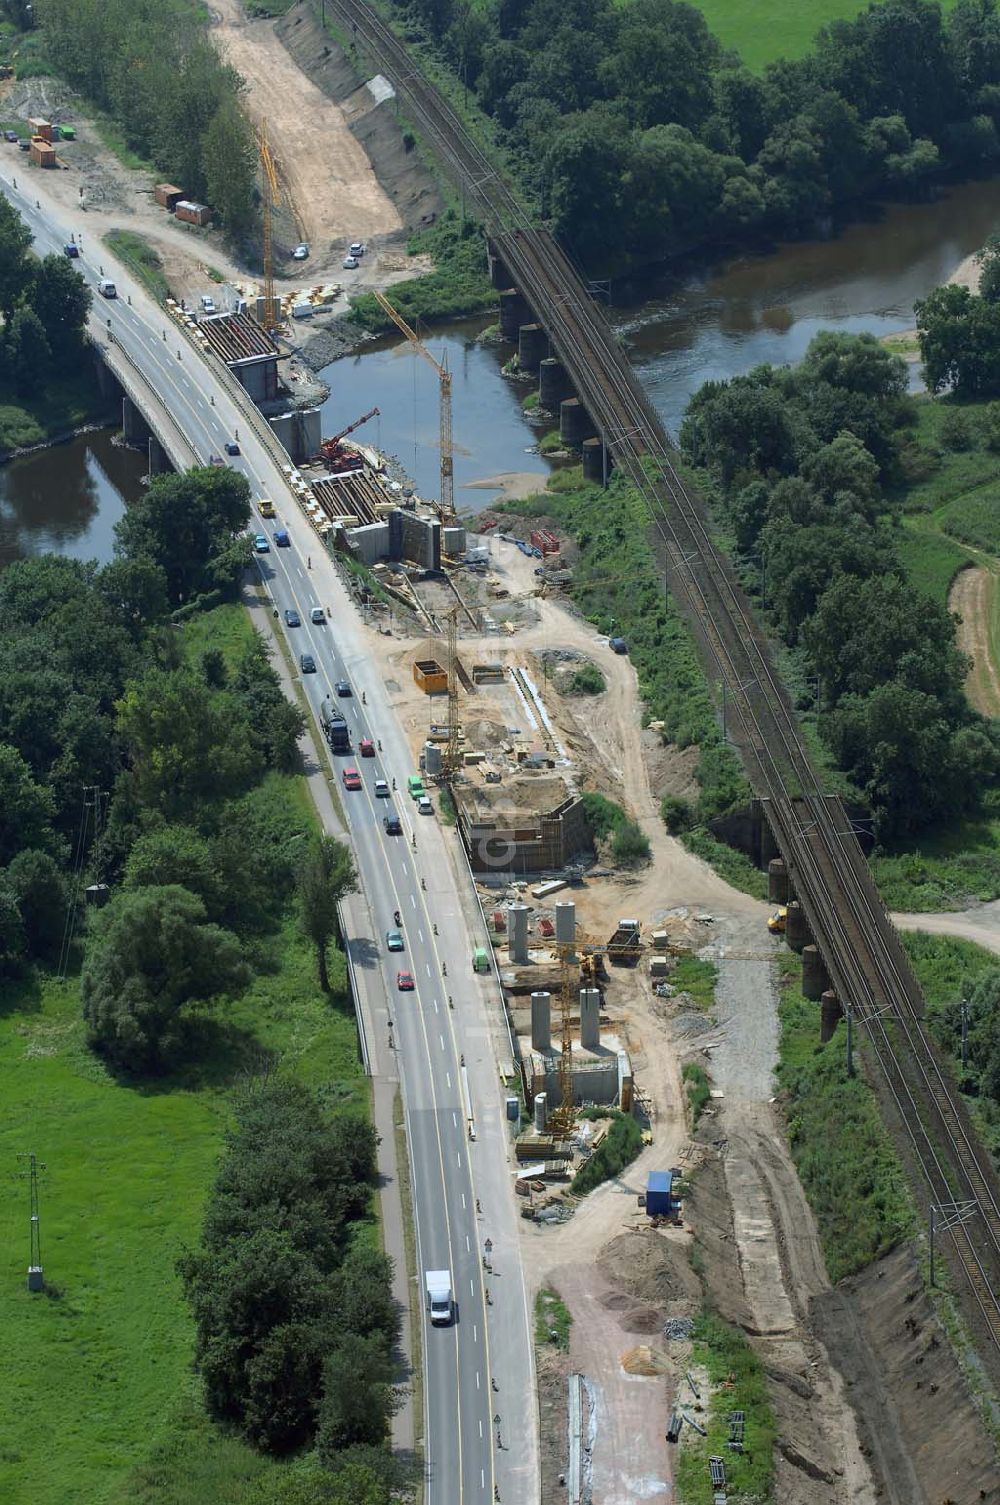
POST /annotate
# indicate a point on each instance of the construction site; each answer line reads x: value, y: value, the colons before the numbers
x: 614, y: 979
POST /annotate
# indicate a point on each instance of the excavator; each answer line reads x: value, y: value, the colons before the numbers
x: 338, y: 460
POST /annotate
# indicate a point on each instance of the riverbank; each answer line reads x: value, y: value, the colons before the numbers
x: 67, y: 407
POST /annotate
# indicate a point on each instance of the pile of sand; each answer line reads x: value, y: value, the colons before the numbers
x: 650, y: 1268
x: 645, y: 1360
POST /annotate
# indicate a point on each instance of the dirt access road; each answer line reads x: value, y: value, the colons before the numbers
x: 331, y: 187
x: 973, y: 597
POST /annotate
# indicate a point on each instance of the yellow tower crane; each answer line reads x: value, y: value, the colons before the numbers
x: 444, y: 381
x: 561, y: 1119
x: 271, y: 195
x: 451, y: 757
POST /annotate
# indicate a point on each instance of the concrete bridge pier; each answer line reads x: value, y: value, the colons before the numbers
x: 498, y: 273
x: 514, y: 312
x: 597, y: 462
x: 134, y: 426
x: 575, y: 423
x: 159, y: 460
x: 532, y: 346
x: 554, y: 385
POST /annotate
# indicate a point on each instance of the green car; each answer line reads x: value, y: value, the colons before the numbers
x: 415, y: 786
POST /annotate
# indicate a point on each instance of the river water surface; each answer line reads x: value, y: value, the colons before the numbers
x: 752, y: 309
x: 67, y: 499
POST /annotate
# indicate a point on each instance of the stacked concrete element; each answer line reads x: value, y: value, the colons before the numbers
x: 778, y: 885
x: 532, y: 347
x: 815, y: 978
x: 575, y: 423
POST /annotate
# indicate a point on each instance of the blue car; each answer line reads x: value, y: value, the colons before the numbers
x: 261, y: 544
x: 71, y: 251
x: 282, y: 539
x: 292, y: 618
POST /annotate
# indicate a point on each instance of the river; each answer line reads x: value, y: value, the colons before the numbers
x: 752, y: 309
x: 747, y: 311
x: 67, y: 499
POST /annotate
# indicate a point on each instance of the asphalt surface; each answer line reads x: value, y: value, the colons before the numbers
x: 481, y: 1367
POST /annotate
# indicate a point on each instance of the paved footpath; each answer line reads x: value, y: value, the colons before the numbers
x: 374, y: 1016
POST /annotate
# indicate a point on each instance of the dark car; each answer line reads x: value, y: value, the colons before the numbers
x: 10, y: 136
x: 292, y: 618
x: 618, y: 645
x: 343, y: 687
x: 391, y: 822
x: 232, y: 448
x: 307, y: 663
x: 71, y: 251
x: 282, y: 539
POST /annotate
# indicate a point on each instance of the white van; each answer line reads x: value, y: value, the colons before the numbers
x: 106, y: 288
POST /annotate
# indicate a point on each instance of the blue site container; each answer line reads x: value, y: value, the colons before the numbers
x: 659, y: 1202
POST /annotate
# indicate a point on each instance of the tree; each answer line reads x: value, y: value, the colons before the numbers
x: 28, y: 352
x: 187, y: 743
x: 186, y: 524
x: 62, y: 300
x: 15, y: 265
x: 855, y: 363
x: 262, y: 1314
x: 11, y: 934
x: 26, y: 808
x: 136, y: 593
x: 326, y: 876
x: 151, y: 954
x: 869, y: 633
x: 230, y: 157
x: 36, y: 881
x: 175, y: 854
x: 276, y: 724
x: 357, y: 1401
x: 362, y: 1294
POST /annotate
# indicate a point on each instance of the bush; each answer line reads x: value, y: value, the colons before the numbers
x: 630, y: 845
x: 955, y: 429
x: 587, y: 680
x: 698, y: 1091
x: 617, y: 1150
x: 676, y: 813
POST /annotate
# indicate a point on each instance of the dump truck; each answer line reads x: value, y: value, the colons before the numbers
x: 437, y: 1286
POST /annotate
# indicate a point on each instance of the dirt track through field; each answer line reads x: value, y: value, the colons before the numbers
x: 972, y: 596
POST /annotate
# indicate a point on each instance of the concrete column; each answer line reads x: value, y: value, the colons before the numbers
x: 159, y: 462
x: 815, y: 978
x: 797, y: 932
x: 134, y: 426
x: 517, y: 933
x: 597, y: 461
x: 514, y: 312
x: 777, y: 881
x: 541, y: 1021
x: 566, y: 925
x: 541, y: 1112
x: 574, y: 422
x: 532, y: 346
x: 499, y: 275
x: 554, y: 384
x: 830, y: 1014
x: 590, y: 1018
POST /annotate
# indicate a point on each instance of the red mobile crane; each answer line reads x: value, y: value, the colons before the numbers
x: 331, y: 452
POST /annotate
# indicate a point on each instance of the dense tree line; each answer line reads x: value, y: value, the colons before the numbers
x: 295, y: 1317
x: 94, y: 695
x: 44, y: 306
x: 800, y: 459
x: 642, y: 137
x: 150, y: 64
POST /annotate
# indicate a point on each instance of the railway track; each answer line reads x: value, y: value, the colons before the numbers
x: 861, y: 950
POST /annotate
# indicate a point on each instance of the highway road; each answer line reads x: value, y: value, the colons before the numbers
x: 481, y: 1367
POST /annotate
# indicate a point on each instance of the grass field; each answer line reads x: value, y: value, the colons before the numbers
x: 762, y: 32
x: 139, y: 256
x: 98, y: 1405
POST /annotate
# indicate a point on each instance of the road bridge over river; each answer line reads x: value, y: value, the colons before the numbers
x: 861, y: 950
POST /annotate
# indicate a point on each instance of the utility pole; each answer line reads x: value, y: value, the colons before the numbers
x: 849, y: 1016
x: 965, y: 1033
x: 36, y: 1281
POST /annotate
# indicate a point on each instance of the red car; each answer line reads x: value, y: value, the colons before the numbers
x: 366, y: 747
x: 404, y: 982
x: 352, y: 779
